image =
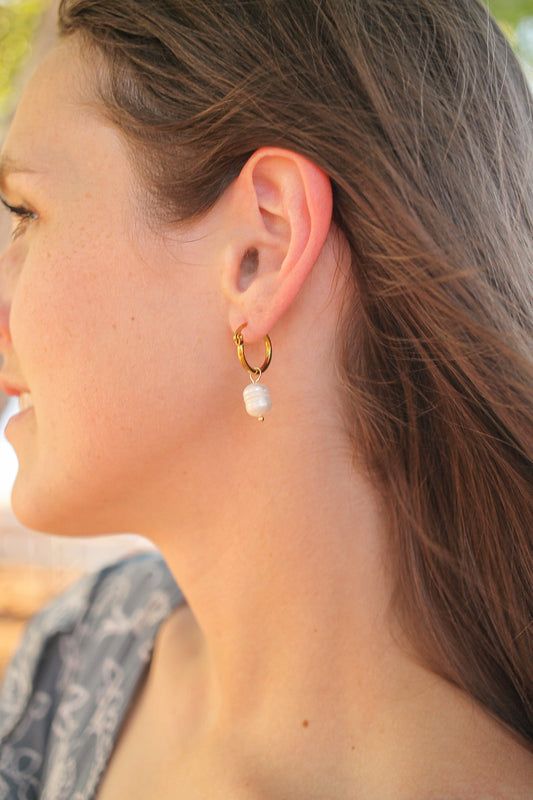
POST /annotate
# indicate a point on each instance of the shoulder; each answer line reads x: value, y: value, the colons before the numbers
x: 115, y: 612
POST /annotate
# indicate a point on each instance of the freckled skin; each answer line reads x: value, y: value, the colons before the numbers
x: 108, y: 320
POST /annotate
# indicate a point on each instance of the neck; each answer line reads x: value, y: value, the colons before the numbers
x: 289, y: 614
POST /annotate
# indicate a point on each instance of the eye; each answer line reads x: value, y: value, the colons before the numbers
x: 22, y: 217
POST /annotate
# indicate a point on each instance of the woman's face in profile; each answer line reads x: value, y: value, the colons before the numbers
x: 106, y: 316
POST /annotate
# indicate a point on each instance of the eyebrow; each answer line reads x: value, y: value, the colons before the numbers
x: 10, y: 166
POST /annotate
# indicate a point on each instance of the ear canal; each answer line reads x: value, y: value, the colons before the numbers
x: 248, y: 268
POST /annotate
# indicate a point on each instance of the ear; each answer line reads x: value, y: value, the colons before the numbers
x: 281, y: 206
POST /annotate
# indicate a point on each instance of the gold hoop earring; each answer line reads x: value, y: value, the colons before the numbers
x: 257, y: 398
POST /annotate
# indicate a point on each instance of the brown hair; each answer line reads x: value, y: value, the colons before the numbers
x: 419, y: 113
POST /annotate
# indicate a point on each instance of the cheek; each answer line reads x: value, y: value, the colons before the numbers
x: 11, y: 265
x: 48, y: 307
x: 63, y: 315
x: 5, y: 228
x: 91, y: 328
x: 113, y: 340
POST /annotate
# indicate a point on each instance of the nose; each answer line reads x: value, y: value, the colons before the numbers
x: 5, y: 336
x: 5, y: 305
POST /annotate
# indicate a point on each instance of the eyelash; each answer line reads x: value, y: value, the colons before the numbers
x: 24, y: 216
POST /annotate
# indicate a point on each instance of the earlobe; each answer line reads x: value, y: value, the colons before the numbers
x: 283, y: 203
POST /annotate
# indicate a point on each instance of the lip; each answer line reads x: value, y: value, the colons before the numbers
x: 11, y: 388
x: 14, y: 420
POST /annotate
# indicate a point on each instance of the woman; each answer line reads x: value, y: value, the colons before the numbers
x: 348, y: 183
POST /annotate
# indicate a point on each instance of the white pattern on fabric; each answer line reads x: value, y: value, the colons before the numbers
x: 74, y: 677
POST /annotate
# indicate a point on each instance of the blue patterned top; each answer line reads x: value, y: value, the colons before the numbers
x: 74, y: 676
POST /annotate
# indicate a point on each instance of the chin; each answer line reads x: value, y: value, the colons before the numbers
x: 46, y: 513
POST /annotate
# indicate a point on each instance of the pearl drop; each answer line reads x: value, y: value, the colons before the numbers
x: 257, y: 400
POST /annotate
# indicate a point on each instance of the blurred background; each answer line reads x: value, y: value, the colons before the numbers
x: 35, y: 567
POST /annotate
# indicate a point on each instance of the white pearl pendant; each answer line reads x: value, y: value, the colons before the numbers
x: 257, y: 400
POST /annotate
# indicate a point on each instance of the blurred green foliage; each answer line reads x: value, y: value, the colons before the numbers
x: 19, y: 20
x: 510, y: 12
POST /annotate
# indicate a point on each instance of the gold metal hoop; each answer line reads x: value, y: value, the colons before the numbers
x: 239, y: 341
